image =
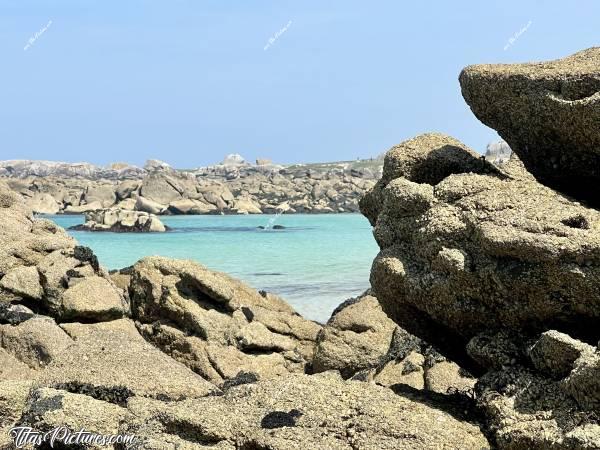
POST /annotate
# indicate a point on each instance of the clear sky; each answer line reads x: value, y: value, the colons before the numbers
x: 190, y: 81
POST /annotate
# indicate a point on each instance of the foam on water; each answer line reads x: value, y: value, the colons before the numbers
x: 315, y: 262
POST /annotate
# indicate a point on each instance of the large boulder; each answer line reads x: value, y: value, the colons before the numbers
x: 357, y: 337
x: 161, y: 188
x: 215, y: 324
x: 467, y: 248
x: 43, y: 203
x: 548, y: 113
x: 35, y: 342
x: 103, y: 194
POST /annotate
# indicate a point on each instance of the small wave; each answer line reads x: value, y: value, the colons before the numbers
x: 180, y: 229
x: 264, y: 274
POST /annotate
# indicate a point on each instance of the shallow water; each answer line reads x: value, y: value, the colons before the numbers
x: 315, y: 263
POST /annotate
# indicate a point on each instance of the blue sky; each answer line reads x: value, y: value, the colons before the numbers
x: 189, y: 81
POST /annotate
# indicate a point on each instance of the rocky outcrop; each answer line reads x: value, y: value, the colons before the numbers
x: 467, y: 248
x: 288, y: 413
x: 500, y: 272
x: 216, y: 325
x: 548, y: 113
x: 41, y: 266
x: 120, y: 220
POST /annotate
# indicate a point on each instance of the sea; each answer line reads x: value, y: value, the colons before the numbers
x: 315, y: 262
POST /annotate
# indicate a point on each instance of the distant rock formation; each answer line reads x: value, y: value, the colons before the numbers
x: 548, y: 113
x: 234, y: 159
x: 26, y: 168
x: 498, y: 152
x: 220, y: 189
x: 156, y: 164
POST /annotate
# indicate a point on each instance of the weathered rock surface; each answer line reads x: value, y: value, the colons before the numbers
x: 112, y: 363
x: 539, y: 393
x: 43, y: 203
x: 467, y: 247
x: 121, y: 221
x: 216, y: 325
x: 548, y: 113
x: 303, y: 411
x: 42, y: 267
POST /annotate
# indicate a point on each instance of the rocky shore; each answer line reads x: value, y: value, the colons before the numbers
x: 234, y: 187
x: 480, y: 331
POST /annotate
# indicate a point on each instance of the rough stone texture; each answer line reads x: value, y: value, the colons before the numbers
x: 161, y: 188
x: 356, y: 337
x: 23, y: 281
x: 95, y: 298
x: 525, y: 408
x: 111, y: 363
x: 467, y: 247
x: 13, y: 399
x: 548, y: 113
x: 49, y: 409
x: 35, y: 342
x: 360, y: 341
x: 300, y: 411
x: 121, y: 220
x: 11, y: 369
x: 103, y: 194
x: 215, y: 324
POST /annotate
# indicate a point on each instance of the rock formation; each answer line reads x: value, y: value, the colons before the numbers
x: 500, y: 272
x: 120, y: 220
x: 548, y: 113
x: 469, y: 248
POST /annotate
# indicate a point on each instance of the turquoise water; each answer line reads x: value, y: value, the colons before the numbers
x: 315, y: 263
